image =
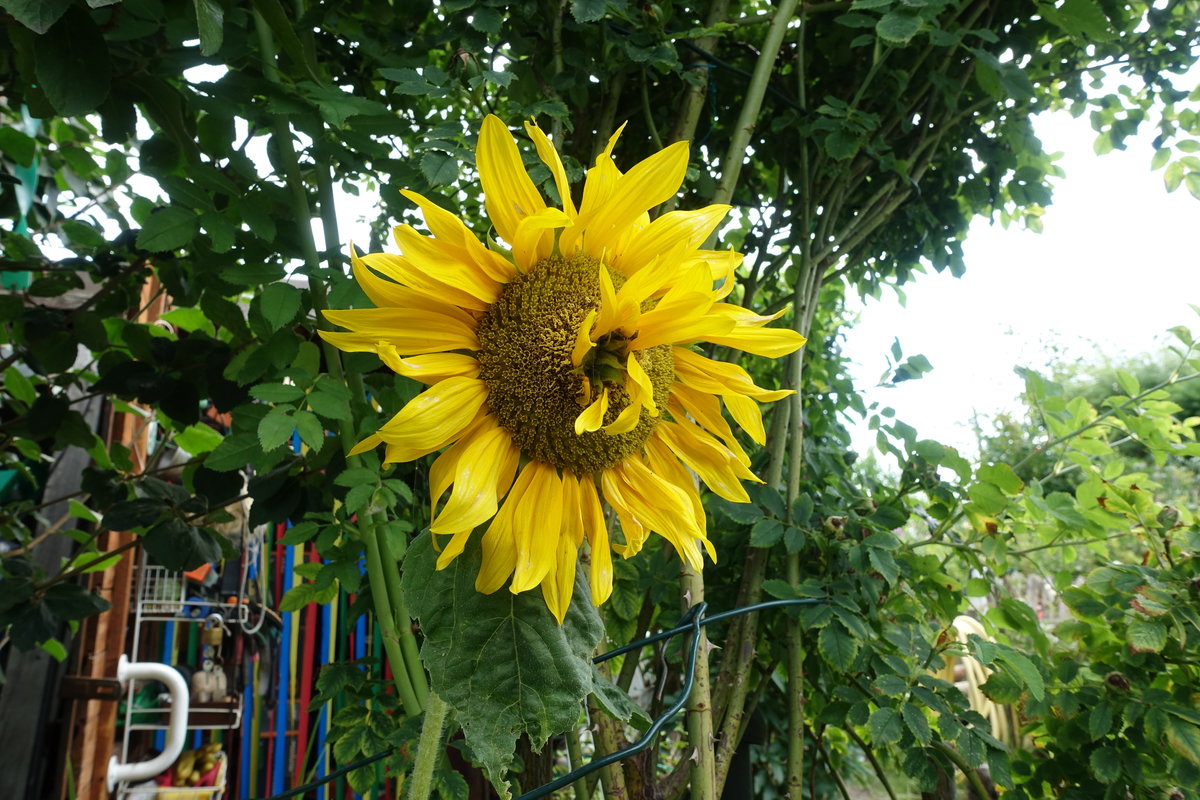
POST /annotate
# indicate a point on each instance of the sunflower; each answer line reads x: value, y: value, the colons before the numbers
x: 561, y: 372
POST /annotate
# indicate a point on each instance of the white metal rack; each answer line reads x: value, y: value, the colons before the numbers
x: 162, y: 597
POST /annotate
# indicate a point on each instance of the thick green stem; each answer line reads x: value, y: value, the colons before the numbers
x: 802, y: 314
x: 795, y: 693
x: 607, y: 737
x: 575, y: 759
x: 699, y: 706
x: 429, y: 749
x: 408, y: 642
x: 384, y: 578
x: 692, y: 102
x: 387, y: 623
x: 970, y: 774
x: 741, y: 651
x: 731, y: 167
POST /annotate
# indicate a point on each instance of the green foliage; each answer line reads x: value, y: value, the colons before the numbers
x: 501, y: 661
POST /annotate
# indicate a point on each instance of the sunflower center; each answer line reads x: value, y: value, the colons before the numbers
x: 526, y: 339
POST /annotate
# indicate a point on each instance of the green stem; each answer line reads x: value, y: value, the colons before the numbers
x: 607, y: 742
x: 841, y: 784
x: 795, y: 695
x: 739, y: 656
x: 795, y: 636
x: 699, y: 707
x: 429, y: 749
x: 970, y: 774
x: 748, y: 117
x: 649, y: 113
x: 387, y: 623
x: 384, y: 581
x: 408, y: 642
x: 575, y: 759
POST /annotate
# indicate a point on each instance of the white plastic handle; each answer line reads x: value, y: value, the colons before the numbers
x: 176, y: 724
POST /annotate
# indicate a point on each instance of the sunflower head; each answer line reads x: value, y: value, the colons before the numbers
x: 565, y: 369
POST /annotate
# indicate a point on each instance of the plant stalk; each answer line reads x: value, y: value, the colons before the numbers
x: 429, y: 748
x: 377, y: 575
x: 408, y: 642
x: 611, y: 776
x: 699, y: 706
x: 731, y: 167
x: 387, y: 623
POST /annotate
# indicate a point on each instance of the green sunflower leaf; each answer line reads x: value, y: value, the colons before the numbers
x: 501, y: 661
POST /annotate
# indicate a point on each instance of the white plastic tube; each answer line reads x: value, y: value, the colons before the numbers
x: 176, y: 724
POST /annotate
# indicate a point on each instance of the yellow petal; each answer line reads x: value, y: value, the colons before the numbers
x: 744, y: 316
x: 441, y: 473
x: 383, y: 292
x: 686, y: 229
x: 681, y: 320
x: 450, y: 228
x: 572, y: 519
x: 421, y: 282
x: 638, y: 375
x: 662, y: 461
x: 508, y: 192
x: 536, y: 527
x: 369, y: 443
x: 499, y: 543
x: 583, y: 339
x: 454, y: 549
x: 592, y: 417
x: 534, y: 239
x: 606, y: 319
x: 648, y: 281
x: 434, y: 419
x: 706, y: 457
x: 706, y: 410
x: 600, y: 573
x: 721, y: 266
x: 645, y: 186
x: 598, y: 187
x: 595, y: 191
x: 550, y: 158
x: 473, y: 499
x: 768, y: 342
x: 626, y: 421
x: 410, y: 331
x: 655, y: 504
x: 429, y: 368
x: 559, y: 584
x: 719, y: 377
x: 446, y: 264
x: 745, y: 412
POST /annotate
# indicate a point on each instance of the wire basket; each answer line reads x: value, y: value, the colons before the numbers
x: 162, y: 591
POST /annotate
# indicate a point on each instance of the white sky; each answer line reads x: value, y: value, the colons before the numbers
x: 1115, y: 267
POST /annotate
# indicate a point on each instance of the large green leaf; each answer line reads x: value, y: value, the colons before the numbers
x: 167, y: 229
x: 838, y: 646
x: 1146, y: 635
x: 72, y: 64
x: 1185, y: 738
x: 501, y: 661
x: 886, y: 726
x: 37, y: 15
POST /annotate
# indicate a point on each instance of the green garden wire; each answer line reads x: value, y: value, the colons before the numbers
x: 692, y: 621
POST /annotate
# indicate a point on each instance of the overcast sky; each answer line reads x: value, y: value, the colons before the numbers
x: 1116, y: 266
